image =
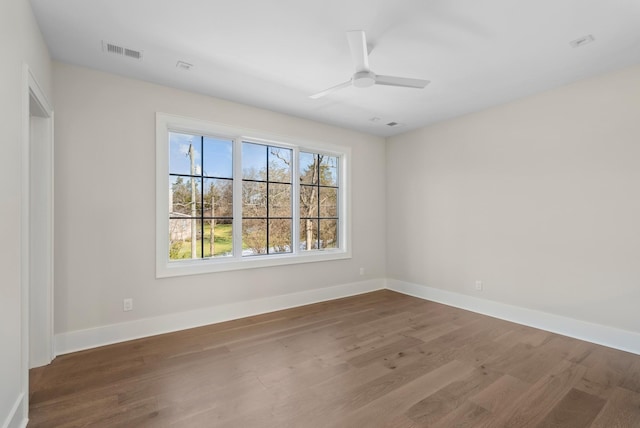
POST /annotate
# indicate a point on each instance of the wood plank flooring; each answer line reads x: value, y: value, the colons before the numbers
x: 376, y: 360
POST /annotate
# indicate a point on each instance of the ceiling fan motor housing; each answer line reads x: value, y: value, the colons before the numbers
x: 364, y: 79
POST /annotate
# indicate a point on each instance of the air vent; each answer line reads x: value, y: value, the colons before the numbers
x: 184, y: 65
x: 121, y: 51
x: 118, y: 50
x: 132, y: 54
x: 582, y: 41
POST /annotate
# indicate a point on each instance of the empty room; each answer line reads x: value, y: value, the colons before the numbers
x: 320, y: 214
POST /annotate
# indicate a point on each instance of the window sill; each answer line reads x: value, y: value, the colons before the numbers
x: 166, y: 269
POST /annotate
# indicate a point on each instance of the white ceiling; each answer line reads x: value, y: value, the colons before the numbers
x: 274, y: 54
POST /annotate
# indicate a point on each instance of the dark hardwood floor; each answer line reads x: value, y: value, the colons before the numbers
x: 376, y: 360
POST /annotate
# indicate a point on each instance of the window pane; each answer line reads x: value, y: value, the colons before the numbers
x: 308, y: 234
x: 183, y: 149
x: 184, y: 238
x: 184, y: 196
x: 308, y: 168
x: 222, y: 233
x: 279, y: 200
x: 254, y: 237
x: 280, y: 164
x: 179, y: 233
x: 199, y: 238
x: 254, y: 199
x: 218, y: 198
x: 318, y: 201
x: 328, y: 170
x: 217, y: 157
x: 280, y: 236
x: 328, y: 202
x: 328, y: 234
x: 308, y: 201
x: 254, y: 161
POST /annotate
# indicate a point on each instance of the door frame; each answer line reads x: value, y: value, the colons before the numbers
x: 37, y: 139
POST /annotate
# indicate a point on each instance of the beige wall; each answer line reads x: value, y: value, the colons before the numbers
x: 105, y: 203
x: 20, y: 43
x: 539, y: 199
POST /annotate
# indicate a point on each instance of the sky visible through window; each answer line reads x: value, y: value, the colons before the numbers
x: 217, y: 155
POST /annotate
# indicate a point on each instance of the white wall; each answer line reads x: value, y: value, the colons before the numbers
x: 539, y: 199
x: 20, y: 42
x: 105, y: 204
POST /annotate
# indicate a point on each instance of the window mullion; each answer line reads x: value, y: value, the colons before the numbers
x: 237, y: 198
x: 267, y: 196
x: 318, y: 200
x: 202, y: 199
x: 295, y: 202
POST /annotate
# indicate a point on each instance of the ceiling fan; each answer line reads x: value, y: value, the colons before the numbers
x: 364, y: 77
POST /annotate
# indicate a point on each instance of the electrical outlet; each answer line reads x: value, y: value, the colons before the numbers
x: 127, y: 304
x: 479, y: 285
x: 361, y: 271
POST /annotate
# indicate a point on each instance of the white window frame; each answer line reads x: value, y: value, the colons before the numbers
x: 166, y: 123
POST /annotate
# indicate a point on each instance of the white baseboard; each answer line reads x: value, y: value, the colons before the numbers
x: 114, y: 333
x: 596, y: 333
x: 16, y: 418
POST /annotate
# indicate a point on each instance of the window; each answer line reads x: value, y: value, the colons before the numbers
x: 318, y: 201
x: 266, y: 199
x: 239, y: 199
x: 200, y: 196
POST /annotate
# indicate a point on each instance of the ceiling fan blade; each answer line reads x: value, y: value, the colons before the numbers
x: 330, y: 90
x: 401, y: 81
x: 358, y: 47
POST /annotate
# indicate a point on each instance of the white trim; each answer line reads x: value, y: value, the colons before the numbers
x: 37, y: 92
x: 165, y: 268
x: 114, y: 333
x: 201, y: 266
x: 32, y: 91
x: 24, y: 241
x: 17, y: 416
x: 99, y: 336
x: 596, y: 333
